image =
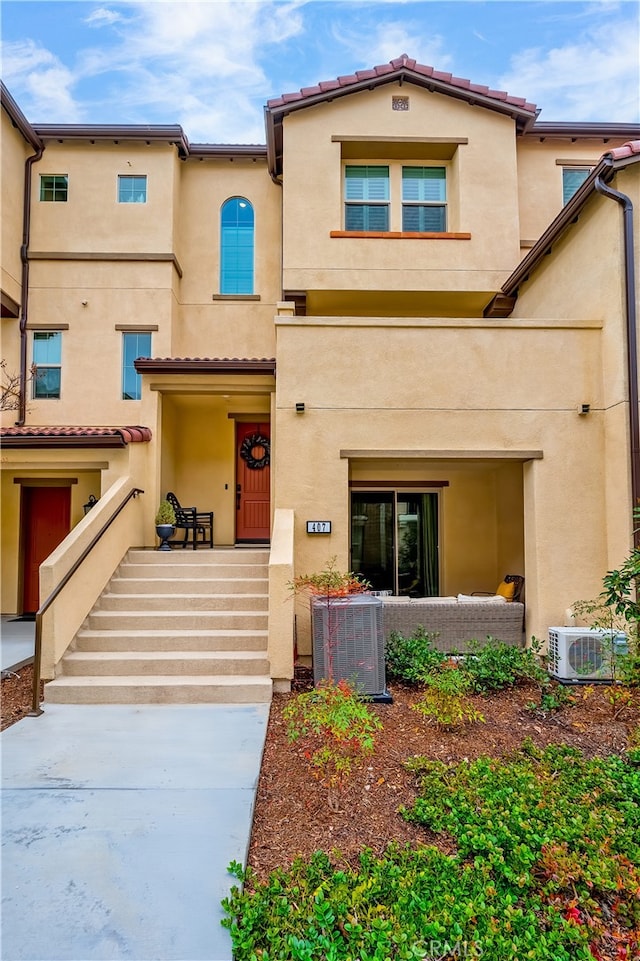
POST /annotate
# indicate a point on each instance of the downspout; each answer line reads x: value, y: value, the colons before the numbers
x: 24, y: 257
x: 632, y: 355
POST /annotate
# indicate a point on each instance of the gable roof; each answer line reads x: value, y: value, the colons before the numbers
x: 404, y: 70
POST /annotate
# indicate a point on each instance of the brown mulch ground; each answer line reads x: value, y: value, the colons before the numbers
x: 16, y: 696
x: 292, y: 815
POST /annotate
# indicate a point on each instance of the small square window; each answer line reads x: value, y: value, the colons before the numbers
x: 47, y: 360
x: 132, y: 190
x: 54, y: 187
x: 134, y: 345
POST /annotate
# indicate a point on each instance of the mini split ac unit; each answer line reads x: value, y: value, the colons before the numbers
x: 348, y: 642
x: 583, y: 654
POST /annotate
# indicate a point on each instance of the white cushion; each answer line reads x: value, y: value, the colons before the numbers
x: 478, y: 599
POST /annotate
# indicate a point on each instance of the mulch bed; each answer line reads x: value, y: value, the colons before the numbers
x: 16, y: 696
x: 292, y: 816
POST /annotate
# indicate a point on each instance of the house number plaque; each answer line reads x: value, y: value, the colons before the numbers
x: 318, y: 527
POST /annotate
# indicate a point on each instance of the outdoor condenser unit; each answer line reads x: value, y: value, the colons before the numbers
x: 348, y: 642
x: 579, y: 654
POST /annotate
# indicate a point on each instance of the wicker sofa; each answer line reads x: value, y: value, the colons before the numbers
x: 455, y: 622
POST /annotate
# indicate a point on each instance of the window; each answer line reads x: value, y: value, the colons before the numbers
x: 236, y: 247
x: 572, y: 178
x: 424, y: 199
x: 134, y: 345
x: 366, y: 194
x: 54, y: 187
x: 132, y: 190
x: 47, y: 359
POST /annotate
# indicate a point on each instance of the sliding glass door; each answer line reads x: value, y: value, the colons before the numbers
x: 394, y: 541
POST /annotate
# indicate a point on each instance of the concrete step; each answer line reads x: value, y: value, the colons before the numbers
x: 192, y: 602
x: 173, y: 663
x: 208, y: 557
x: 127, y: 584
x: 177, y: 621
x: 185, y: 570
x: 168, y: 640
x: 140, y: 689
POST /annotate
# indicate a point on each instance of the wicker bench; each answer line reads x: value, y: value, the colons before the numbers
x: 455, y: 622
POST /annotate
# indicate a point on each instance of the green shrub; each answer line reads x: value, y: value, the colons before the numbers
x: 547, y: 868
x: 165, y: 514
x: 337, y: 731
x: 411, y: 659
x: 445, y: 699
x: 497, y: 665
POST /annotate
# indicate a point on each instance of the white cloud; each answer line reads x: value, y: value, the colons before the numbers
x: 47, y: 83
x: 102, y: 17
x: 594, y: 78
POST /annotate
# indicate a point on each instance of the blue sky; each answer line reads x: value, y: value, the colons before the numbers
x: 211, y: 65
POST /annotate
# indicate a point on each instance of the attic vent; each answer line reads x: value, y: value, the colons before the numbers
x: 399, y: 103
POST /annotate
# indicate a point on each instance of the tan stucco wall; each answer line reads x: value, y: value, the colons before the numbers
x: 482, y: 197
x: 595, y: 251
x: 223, y: 328
x: 498, y: 386
x: 12, y: 162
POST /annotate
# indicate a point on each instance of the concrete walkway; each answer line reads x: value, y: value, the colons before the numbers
x: 118, y: 823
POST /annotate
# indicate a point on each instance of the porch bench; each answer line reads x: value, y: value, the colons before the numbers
x: 456, y: 622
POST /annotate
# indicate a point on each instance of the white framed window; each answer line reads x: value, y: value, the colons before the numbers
x: 54, y: 188
x: 366, y: 197
x: 134, y: 344
x: 409, y: 198
x: 424, y: 199
x: 47, y: 363
x: 572, y: 179
x: 132, y: 189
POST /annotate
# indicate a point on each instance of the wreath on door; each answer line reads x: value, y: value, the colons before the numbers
x: 247, y: 448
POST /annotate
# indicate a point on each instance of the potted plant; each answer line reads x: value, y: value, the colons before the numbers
x: 165, y: 524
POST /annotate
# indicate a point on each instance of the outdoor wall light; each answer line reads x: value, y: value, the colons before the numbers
x: 299, y: 407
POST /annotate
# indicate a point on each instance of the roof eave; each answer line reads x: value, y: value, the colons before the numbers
x: 150, y: 133
x: 18, y: 119
x: 196, y: 365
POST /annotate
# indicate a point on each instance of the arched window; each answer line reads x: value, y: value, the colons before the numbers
x: 236, y: 247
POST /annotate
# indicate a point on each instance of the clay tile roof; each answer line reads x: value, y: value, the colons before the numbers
x: 629, y: 149
x: 73, y: 436
x: 403, y: 62
x: 205, y: 365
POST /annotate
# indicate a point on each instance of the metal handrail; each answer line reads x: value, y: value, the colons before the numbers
x: 36, y: 710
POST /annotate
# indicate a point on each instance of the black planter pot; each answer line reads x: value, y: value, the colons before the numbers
x: 164, y: 532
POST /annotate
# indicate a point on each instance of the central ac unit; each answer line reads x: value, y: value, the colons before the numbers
x: 579, y: 654
x: 348, y: 642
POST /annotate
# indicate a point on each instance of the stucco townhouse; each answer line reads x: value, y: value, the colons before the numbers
x: 401, y: 333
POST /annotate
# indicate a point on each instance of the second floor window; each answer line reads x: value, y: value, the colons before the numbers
x: 134, y: 344
x: 47, y: 361
x: 366, y: 195
x: 424, y: 195
x: 236, y: 246
x: 54, y: 187
x: 132, y: 190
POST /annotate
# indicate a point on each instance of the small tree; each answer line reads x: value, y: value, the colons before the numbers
x: 10, y: 386
x: 330, y: 586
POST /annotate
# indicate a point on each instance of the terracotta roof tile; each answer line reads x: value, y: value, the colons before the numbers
x: 73, y: 436
x: 400, y: 63
x: 629, y: 149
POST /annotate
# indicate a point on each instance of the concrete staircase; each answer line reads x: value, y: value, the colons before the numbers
x: 173, y: 628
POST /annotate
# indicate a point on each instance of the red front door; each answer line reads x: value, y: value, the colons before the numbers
x: 253, y: 482
x: 46, y: 513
